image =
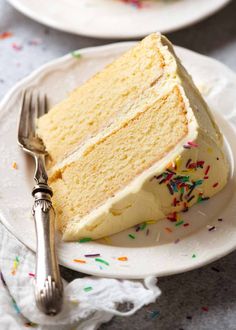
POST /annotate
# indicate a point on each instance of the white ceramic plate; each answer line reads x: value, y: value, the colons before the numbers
x: 114, y: 19
x: 152, y: 254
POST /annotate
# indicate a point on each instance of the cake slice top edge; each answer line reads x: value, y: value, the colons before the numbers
x: 178, y: 76
x: 161, y: 71
x: 105, y: 96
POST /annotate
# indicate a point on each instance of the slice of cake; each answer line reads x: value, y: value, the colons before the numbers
x: 143, y: 148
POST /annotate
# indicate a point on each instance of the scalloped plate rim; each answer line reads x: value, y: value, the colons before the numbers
x: 121, y: 35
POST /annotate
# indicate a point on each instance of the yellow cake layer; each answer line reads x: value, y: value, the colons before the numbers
x: 93, y: 105
x: 115, y: 160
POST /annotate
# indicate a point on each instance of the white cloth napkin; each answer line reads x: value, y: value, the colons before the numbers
x: 88, y: 301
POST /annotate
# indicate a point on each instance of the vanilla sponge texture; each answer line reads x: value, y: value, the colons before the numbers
x: 135, y: 143
x: 121, y: 87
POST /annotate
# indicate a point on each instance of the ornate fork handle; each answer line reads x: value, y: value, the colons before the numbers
x: 48, y: 285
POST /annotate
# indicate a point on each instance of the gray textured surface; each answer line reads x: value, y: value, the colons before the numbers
x: 214, y: 286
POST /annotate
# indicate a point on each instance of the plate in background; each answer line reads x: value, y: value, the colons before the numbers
x: 159, y: 252
x: 116, y: 19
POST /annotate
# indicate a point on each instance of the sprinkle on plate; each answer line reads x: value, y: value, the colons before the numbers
x: 122, y: 258
x: 80, y: 261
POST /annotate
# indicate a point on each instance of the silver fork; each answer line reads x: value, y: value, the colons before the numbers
x: 48, y: 284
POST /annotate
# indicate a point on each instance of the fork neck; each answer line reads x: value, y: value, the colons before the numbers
x: 40, y: 175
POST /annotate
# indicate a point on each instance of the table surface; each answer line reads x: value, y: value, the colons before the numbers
x: 202, y: 299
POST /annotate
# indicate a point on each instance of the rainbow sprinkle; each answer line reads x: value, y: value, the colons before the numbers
x: 211, y: 228
x: 14, y: 166
x: 172, y: 217
x: 207, y: 170
x: 85, y: 239
x: 5, y: 35
x: 201, y: 198
x: 80, y: 261
x: 76, y: 54
x: 122, y: 258
x: 15, y: 265
x: 179, y: 223
x: 88, y: 288
x: 132, y: 236
x: 31, y: 274
x: 151, y: 222
x: 92, y: 255
x: 190, y: 199
x: 102, y: 261
x: 143, y: 226
x: 192, y: 144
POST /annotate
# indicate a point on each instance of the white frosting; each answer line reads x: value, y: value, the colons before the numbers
x: 144, y: 200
